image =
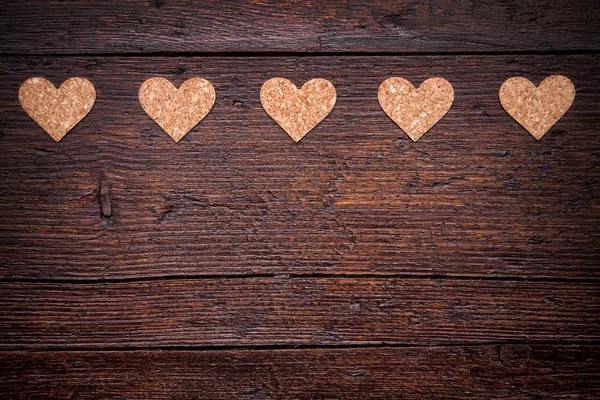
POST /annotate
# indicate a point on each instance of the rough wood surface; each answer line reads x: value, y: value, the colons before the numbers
x: 465, y: 372
x: 476, y: 196
x: 134, y: 267
x: 133, y: 26
x: 295, y: 311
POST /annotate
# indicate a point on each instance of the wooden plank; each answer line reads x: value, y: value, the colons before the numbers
x: 50, y: 27
x: 476, y: 196
x: 294, y: 311
x: 464, y: 372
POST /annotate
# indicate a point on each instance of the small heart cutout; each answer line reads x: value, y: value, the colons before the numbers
x: 416, y: 110
x: 57, y: 111
x: 537, y: 109
x: 177, y: 111
x: 297, y: 111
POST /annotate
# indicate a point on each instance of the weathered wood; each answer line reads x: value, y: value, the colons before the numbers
x: 465, y: 372
x: 294, y: 311
x: 476, y: 196
x: 50, y: 26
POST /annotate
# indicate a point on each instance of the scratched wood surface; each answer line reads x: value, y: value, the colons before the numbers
x: 354, y: 264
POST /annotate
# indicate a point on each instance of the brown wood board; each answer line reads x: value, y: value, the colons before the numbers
x: 476, y: 196
x: 295, y: 311
x: 462, y: 372
x: 132, y: 26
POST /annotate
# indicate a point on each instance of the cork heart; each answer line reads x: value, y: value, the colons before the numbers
x: 416, y: 110
x: 537, y: 109
x: 297, y: 111
x: 177, y: 111
x: 57, y: 111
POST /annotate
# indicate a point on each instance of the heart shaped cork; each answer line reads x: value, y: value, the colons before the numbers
x: 297, y: 111
x: 177, y: 111
x: 416, y: 110
x: 537, y: 109
x: 57, y: 111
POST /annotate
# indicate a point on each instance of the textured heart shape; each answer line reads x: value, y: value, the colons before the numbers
x: 57, y: 111
x: 297, y: 111
x: 177, y: 111
x: 537, y: 109
x: 416, y: 110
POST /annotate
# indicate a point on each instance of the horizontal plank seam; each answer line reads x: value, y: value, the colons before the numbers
x: 293, y: 347
x: 300, y: 276
x: 241, y: 54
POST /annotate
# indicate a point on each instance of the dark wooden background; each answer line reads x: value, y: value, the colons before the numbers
x: 355, y: 264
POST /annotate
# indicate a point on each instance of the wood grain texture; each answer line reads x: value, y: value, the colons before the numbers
x: 355, y: 264
x: 465, y: 372
x: 294, y: 311
x: 51, y: 26
x: 476, y: 196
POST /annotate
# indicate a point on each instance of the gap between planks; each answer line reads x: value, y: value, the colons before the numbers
x: 302, y: 54
x: 302, y: 276
x: 282, y: 347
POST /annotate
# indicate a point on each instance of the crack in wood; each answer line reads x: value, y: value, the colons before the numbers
x: 105, y: 205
